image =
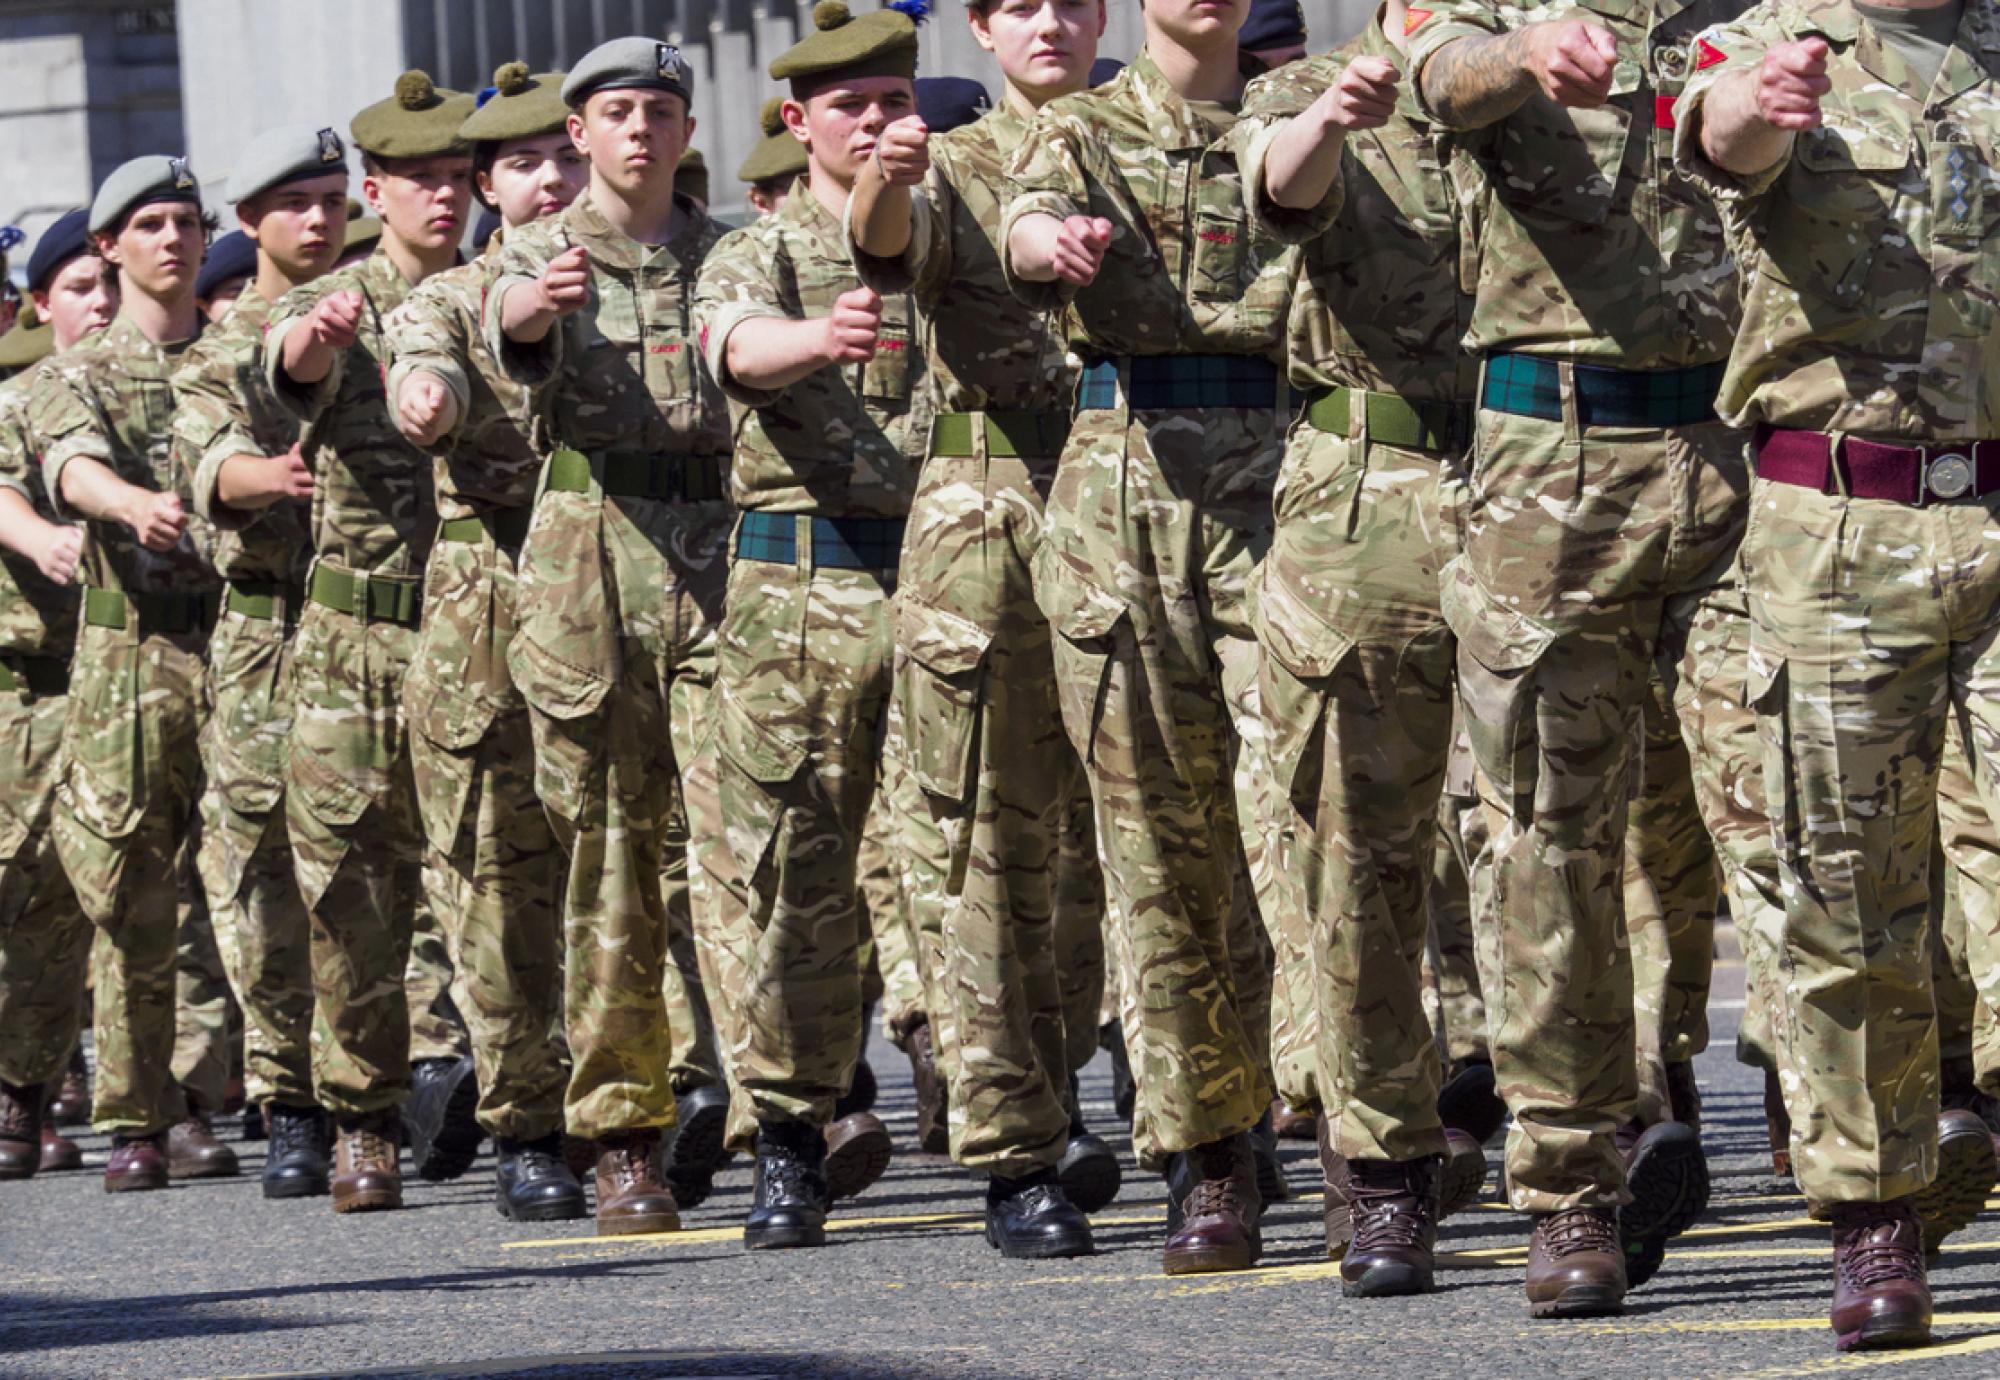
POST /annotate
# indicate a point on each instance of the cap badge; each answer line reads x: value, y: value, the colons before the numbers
x: 329, y: 147
x: 183, y: 179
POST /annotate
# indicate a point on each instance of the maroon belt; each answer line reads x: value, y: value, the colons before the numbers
x: 1916, y: 475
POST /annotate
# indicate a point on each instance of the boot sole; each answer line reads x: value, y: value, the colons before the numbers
x: 459, y: 1135
x: 697, y: 1144
x: 1958, y: 1193
x: 1046, y: 1248
x: 1461, y: 1183
x: 1389, y: 1282
x: 301, y: 1188
x: 559, y: 1211
x: 1670, y: 1190
x: 134, y: 1185
x: 858, y: 1163
x: 369, y: 1202
x: 783, y: 1238
x: 1470, y: 1103
x: 1593, y: 1301
x: 182, y: 1173
x: 1881, y: 1337
x: 1210, y: 1262
x: 645, y: 1224
x: 1092, y: 1182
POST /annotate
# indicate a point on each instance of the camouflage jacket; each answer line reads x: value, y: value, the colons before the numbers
x: 1188, y: 272
x: 37, y: 618
x: 223, y: 407
x: 841, y: 442
x: 986, y: 350
x: 622, y: 376
x: 111, y: 399
x: 1592, y: 245
x: 1871, y: 254
x: 373, y: 507
x: 1383, y: 292
x: 491, y: 458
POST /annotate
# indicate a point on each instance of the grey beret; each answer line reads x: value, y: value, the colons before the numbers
x: 142, y: 182
x: 628, y: 64
x: 286, y: 154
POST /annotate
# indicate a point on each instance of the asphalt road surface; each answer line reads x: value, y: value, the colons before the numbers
x: 210, y: 1280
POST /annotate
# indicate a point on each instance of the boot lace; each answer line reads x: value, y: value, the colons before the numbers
x: 1875, y: 1245
x: 1567, y: 1233
x: 1387, y: 1208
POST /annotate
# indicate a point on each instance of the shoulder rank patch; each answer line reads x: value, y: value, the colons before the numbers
x: 1414, y: 20
x: 1707, y: 55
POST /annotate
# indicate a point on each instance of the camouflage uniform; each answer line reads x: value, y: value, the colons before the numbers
x: 1871, y: 269
x: 975, y: 674
x: 494, y: 862
x: 620, y: 592
x: 223, y: 409
x: 208, y: 1030
x: 1356, y: 679
x: 350, y: 798
x: 1159, y: 513
x: 131, y: 769
x: 1457, y: 899
x: 1968, y: 966
x: 824, y: 472
x: 44, y: 937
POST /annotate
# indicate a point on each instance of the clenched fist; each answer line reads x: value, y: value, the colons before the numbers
x: 1079, y: 249
x: 158, y: 520
x: 58, y: 559
x: 564, y: 286
x: 1365, y: 95
x: 1790, y: 83
x: 296, y: 479
x: 904, y: 152
x: 336, y: 321
x: 852, y: 329
x: 1573, y: 61
x: 425, y: 408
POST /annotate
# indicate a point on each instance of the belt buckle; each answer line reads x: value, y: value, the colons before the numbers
x: 1949, y: 475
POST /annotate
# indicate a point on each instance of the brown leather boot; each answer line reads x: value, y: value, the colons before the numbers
x: 933, y: 1128
x: 72, y: 1104
x: 1288, y: 1123
x: 138, y: 1164
x: 1880, y: 1297
x: 59, y: 1152
x: 1683, y: 1094
x: 20, y: 1130
x: 1575, y: 1266
x: 858, y: 1150
x: 1777, y: 1125
x: 1212, y: 1208
x: 1333, y: 1174
x: 1966, y: 1170
x: 1393, y: 1206
x: 193, y: 1152
x: 367, y: 1167
x: 632, y: 1194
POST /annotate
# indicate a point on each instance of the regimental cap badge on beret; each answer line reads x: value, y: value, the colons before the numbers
x: 331, y: 150
x: 183, y: 179
x: 671, y: 66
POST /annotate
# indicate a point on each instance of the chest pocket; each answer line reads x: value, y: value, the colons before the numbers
x: 1222, y: 258
x: 886, y: 378
x: 1844, y: 181
x: 1565, y: 163
x: 1965, y: 200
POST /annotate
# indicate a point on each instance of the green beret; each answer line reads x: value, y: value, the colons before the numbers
x: 288, y: 153
x: 520, y: 106
x: 778, y: 154
x: 421, y: 120
x: 691, y: 177
x: 629, y: 64
x: 142, y: 182
x: 843, y: 48
x: 30, y: 342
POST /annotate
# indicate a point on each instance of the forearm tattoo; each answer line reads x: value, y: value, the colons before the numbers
x: 1472, y: 82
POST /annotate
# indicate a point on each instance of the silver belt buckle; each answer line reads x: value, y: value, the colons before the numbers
x: 1948, y: 476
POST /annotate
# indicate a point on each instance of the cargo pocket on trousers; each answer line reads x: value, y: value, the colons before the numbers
x: 757, y: 769
x: 446, y: 725
x: 1299, y: 652
x: 1498, y: 649
x: 944, y: 659
x: 1085, y: 619
x: 323, y: 775
x: 101, y: 784
x: 1768, y: 691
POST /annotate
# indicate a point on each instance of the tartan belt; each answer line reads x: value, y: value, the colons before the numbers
x: 173, y: 613
x: 1393, y: 420
x: 1025, y: 435
x: 371, y: 598
x: 266, y: 599
x: 675, y: 478
x: 1531, y: 386
x: 1916, y: 475
x: 1180, y: 381
x: 834, y: 543
x: 39, y: 675
x: 509, y: 527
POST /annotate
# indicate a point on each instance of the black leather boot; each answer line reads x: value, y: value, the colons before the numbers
x: 788, y: 1196
x: 1032, y: 1218
x: 298, y: 1160
x: 534, y: 1184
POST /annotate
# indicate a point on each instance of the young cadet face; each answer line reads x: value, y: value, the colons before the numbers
x: 633, y: 139
x: 423, y: 201
x: 301, y: 225
x: 82, y: 297
x: 159, y: 249
x: 216, y: 305
x: 532, y: 178
x: 841, y: 122
x: 1197, y: 24
x: 1045, y: 47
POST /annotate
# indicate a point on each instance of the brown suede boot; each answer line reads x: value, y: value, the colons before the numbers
x: 1576, y: 1268
x: 367, y: 1168
x: 632, y: 1194
x: 1212, y: 1209
x: 1880, y: 1296
x: 20, y: 1130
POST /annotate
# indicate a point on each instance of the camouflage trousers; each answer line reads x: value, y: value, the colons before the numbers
x: 895, y: 970
x: 1595, y: 559
x: 983, y: 741
x: 244, y: 859
x: 797, y: 731
x: 1852, y: 762
x: 619, y: 601
x: 437, y: 1031
x: 1357, y: 696
x: 358, y: 850
x: 44, y: 936
x: 208, y: 1031
x: 1155, y: 526
x: 1967, y: 967
x: 1459, y: 890
x: 130, y: 777
x: 494, y: 876
x: 1081, y: 978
